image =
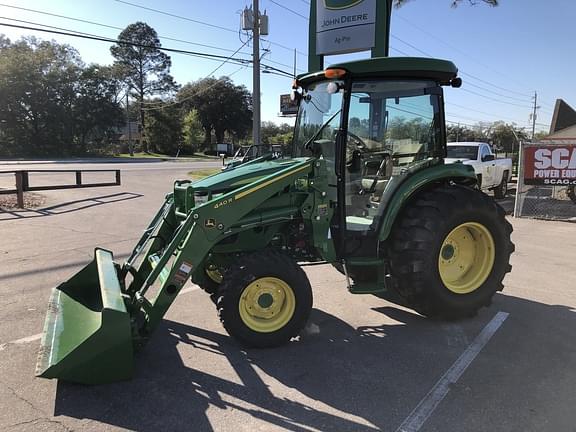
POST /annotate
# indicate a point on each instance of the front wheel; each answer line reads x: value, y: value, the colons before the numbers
x: 264, y: 300
x: 450, y: 252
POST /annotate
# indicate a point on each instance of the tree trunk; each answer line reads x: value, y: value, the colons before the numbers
x: 207, y: 138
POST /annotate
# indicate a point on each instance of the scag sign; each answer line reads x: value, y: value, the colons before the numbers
x: 550, y: 165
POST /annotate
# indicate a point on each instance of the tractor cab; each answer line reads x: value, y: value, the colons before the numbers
x: 375, y: 122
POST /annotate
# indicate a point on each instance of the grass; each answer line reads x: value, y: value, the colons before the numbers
x: 201, y: 173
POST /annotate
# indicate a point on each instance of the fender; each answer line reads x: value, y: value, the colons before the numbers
x: 409, y: 186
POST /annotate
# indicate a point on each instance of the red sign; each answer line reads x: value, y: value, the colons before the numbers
x: 550, y: 165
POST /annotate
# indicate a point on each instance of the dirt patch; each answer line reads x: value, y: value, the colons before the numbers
x: 31, y: 200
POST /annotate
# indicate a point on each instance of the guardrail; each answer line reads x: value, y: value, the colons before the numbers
x: 22, y: 178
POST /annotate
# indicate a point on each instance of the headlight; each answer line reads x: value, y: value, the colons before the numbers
x: 201, y: 198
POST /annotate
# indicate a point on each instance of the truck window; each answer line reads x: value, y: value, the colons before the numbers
x: 463, y: 152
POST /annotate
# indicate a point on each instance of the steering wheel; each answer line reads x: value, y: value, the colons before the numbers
x: 355, y: 147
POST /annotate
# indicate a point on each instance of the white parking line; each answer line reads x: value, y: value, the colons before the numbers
x: 38, y: 336
x: 426, y: 407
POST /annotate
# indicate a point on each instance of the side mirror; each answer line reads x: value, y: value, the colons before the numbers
x: 487, y: 158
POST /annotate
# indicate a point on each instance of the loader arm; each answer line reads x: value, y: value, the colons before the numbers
x: 97, y: 318
x: 203, y: 228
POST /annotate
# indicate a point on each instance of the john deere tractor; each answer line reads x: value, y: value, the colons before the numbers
x: 366, y: 190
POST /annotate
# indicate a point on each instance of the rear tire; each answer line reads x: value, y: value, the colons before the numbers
x: 264, y: 300
x: 450, y: 251
x: 501, y: 190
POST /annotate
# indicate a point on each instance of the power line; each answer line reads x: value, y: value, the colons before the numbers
x: 478, y: 111
x: 81, y: 35
x: 200, y: 22
x: 457, y: 49
x: 493, y: 99
x: 288, y: 9
x: 106, y: 26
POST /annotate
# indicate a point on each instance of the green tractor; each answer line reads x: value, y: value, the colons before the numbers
x: 366, y: 190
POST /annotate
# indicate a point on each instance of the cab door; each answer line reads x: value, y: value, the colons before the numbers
x: 390, y: 127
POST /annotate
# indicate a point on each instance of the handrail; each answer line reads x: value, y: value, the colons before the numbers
x: 22, y: 180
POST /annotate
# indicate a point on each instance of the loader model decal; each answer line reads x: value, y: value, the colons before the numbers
x: 223, y: 203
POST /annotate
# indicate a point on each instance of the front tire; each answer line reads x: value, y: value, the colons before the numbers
x: 450, y: 252
x: 264, y: 300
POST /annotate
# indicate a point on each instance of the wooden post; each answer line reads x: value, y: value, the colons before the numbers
x: 19, y: 188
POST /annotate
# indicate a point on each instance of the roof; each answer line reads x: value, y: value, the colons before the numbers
x: 568, y: 133
x: 564, y: 117
x: 394, y: 67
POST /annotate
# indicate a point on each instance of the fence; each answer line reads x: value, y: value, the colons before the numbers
x: 22, y: 181
x: 546, y: 182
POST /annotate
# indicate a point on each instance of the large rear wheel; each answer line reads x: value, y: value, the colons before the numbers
x: 264, y: 300
x: 450, y: 252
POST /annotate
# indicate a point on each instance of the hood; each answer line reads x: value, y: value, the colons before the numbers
x: 237, y: 176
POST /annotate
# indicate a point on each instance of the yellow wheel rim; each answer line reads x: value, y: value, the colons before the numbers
x: 466, y: 257
x: 267, y: 304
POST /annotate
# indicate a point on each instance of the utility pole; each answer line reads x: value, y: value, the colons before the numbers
x: 534, y: 115
x: 256, y: 73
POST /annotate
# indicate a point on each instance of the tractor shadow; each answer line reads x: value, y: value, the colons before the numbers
x: 335, y: 378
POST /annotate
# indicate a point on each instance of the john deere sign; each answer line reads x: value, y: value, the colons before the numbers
x: 344, y: 26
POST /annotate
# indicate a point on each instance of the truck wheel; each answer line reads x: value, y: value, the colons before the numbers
x: 501, y: 190
x: 571, y: 192
x: 265, y: 300
x: 450, y: 252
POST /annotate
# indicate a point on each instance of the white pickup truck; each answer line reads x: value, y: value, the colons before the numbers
x: 493, y: 174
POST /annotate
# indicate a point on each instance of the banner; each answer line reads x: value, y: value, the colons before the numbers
x: 550, y: 165
x: 288, y: 107
x: 344, y: 26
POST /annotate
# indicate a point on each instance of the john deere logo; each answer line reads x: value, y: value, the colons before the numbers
x: 340, y: 4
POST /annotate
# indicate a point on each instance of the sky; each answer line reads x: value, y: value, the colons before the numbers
x: 504, y: 54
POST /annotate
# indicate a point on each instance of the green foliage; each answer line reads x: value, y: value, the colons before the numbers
x: 192, y: 131
x: 503, y: 136
x: 144, y: 68
x: 52, y: 104
x: 164, y: 128
x: 222, y: 107
x: 271, y: 133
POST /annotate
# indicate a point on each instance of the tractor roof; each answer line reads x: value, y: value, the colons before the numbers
x: 392, y: 67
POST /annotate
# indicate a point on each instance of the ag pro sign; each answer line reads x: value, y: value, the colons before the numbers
x: 344, y: 26
x: 550, y: 165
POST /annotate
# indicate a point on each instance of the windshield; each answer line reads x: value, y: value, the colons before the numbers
x: 318, y: 114
x: 463, y: 152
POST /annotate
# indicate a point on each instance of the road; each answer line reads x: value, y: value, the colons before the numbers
x: 362, y: 364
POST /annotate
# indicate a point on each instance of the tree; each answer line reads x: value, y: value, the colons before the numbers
x: 222, y: 107
x: 52, y: 104
x: 97, y: 110
x: 164, y: 127
x: 192, y: 131
x: 145, y: 67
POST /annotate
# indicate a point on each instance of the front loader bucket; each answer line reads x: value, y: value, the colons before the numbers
x: 87, y: 334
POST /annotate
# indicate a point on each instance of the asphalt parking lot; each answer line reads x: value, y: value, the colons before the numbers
x: 362, y: 364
